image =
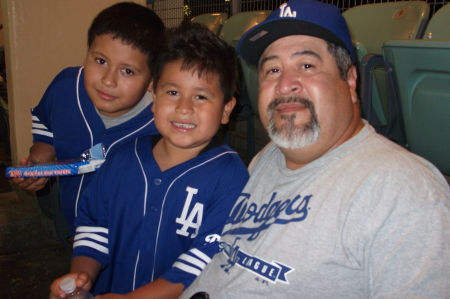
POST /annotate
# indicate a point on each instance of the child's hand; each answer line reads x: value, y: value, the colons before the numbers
x: 29, y: 184
x: 81, y: 279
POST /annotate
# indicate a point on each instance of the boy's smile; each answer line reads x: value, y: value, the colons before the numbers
x: 116, y: 76
x: 189, y: 109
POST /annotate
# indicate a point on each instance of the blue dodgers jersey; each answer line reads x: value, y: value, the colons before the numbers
x: 141, y: 223
x: 71, y: 124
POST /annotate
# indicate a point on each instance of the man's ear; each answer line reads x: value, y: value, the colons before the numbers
x: 352, y: 76
x: 227, y: 109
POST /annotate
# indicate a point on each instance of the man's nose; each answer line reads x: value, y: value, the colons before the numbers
x: 288, y: 82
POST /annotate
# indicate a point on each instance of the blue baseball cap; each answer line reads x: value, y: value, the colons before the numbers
x: 296, y: 17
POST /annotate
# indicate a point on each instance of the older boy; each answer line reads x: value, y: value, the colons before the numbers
x: 105, y: 101
x: 152, y: 217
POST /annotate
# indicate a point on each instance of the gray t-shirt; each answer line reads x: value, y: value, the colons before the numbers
x: 367, y: 220
x: 144, y: 103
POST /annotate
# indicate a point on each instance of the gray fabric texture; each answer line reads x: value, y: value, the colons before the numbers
x: 117, y: 120
x: 366, y: 220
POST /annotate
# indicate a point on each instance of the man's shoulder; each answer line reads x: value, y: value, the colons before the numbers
x: 395, y: 170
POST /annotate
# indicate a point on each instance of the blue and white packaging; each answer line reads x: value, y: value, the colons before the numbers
x: 89, y: 161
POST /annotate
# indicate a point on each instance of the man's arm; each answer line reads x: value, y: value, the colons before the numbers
x: 411, y: 255
x: 39, y: 153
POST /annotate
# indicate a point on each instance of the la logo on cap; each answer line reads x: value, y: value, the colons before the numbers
x: 285, y: 11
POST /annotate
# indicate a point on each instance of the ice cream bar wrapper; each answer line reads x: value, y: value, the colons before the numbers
x: 90, y: 161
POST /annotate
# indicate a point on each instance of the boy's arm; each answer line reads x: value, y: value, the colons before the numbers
x: 83, y: 269
x: 157, y: 289
x: 39, y: 153
x: 84, y: 264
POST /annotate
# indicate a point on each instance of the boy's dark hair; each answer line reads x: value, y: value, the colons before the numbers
x: 202, y: 51
x: 135, y: 25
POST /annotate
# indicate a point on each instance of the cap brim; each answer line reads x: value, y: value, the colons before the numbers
x: 257, y: 39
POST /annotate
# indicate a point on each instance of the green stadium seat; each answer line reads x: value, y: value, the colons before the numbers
x: 418, y: 73
x: 238, y: 24
x: 439, y: 25
x: 232, y: 31
x: 214, y: 21
x: 370, y: 26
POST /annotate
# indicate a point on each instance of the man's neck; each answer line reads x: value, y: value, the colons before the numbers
x: 298, y: 158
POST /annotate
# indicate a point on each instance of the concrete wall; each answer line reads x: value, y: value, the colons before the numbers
x: 41, y: 38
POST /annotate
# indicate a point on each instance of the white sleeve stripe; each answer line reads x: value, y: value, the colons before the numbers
x: 40, y: 132
x: 192, y: 260
x: 90, y: 229
x: 92, y: 245
x: 34, y: 117
x: 39, y: 126
x: 187, y: 268
x: 200, y: 255
x: 91, y: 236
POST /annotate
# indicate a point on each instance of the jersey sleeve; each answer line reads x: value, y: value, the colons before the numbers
x: 233, y: 177
x: 91, y: 235
x: 41, y: 114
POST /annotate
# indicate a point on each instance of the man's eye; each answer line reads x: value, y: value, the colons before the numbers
x: 271, y: 71
x: 172, y: 93
x: 307, y: 66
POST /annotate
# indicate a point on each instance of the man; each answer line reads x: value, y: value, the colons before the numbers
x: 332, y: 209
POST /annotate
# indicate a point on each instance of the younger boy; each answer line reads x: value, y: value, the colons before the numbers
x: 152, y: 218
x: 105, y: 101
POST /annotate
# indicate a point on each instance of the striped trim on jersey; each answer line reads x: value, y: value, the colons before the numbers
x: 39, y: 128
x: 193, y: 262
x: 92, y: 237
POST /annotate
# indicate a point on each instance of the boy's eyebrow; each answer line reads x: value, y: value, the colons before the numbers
x: 197, y: 88
x: 297, y: 53
x: 126, y: 65
x: 170, y: 84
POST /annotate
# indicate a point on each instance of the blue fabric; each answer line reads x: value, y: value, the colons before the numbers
x: 296, y: 17
x: 58, y: 121
x: 132, y: 217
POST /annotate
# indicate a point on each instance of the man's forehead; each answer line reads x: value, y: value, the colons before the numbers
x: 296, y: 43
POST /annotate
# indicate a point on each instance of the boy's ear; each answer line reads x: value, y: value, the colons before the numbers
x: 150, y: 86
x: 227, y: 110
x: 150, y: 89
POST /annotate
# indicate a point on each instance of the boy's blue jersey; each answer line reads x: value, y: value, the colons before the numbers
x: 142, y: 224
x: 67, y: 119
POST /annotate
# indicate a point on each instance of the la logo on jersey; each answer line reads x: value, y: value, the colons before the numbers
x: 285, y: 11
x: 194, y: 219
